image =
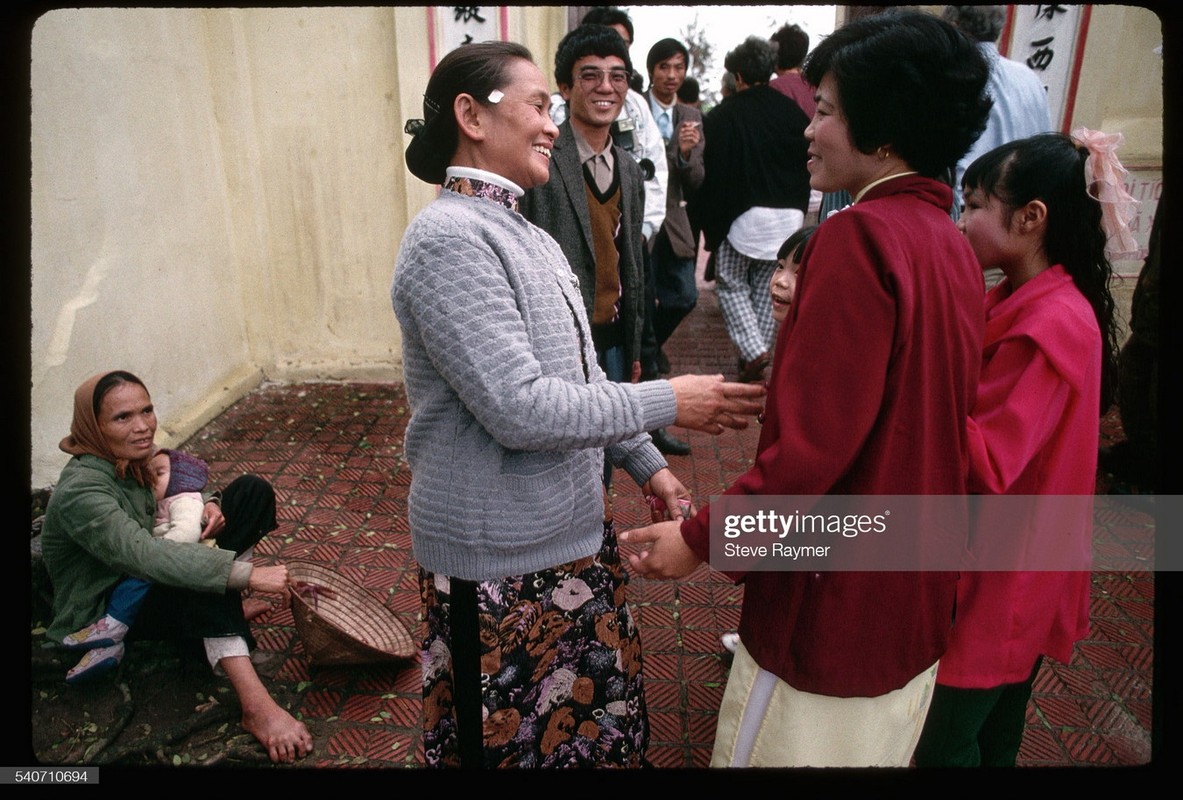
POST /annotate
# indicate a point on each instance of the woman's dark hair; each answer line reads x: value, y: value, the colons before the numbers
x: 109, y: 382
x: 792, y: 44
x: 796, y: 242
x: 588, y: 40
x: 908, y: 80
x: 665, y: 49
x: 609, y: 15
x: 476, y: 69
x: 752, y: 60
x: 1050, y: 167
x: 688, y: 91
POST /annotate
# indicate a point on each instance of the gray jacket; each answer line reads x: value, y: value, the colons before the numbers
x: 559, y: 207
x: 509, y: 411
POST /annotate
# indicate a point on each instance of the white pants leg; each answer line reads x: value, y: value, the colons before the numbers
x: 764, y: 722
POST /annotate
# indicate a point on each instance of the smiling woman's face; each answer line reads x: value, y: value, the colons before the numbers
x: 835, y: 164
x: 127, y: 420
x: 521, y: 132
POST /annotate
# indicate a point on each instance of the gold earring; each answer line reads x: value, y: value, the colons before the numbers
x: 883, y: 153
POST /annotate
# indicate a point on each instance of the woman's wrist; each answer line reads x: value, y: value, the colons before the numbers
x: 240, y: 575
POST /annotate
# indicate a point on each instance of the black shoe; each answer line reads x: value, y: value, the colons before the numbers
x: 668, y: 444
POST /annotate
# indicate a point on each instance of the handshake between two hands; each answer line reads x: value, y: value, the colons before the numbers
x: 662, y: 553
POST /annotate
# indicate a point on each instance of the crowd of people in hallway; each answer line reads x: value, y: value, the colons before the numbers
x: 913, y: 270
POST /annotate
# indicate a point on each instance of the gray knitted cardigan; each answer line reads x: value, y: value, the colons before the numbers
x: 509, y: 411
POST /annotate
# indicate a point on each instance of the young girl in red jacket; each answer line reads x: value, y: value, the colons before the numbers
x: 1051, y: 212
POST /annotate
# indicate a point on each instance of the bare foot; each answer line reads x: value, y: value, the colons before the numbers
x: 253, y: 607
x: 284, y: 736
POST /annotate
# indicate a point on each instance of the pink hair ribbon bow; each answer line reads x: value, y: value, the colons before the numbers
x: 1105, y: 178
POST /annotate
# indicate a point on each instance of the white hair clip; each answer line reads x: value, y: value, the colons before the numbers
x: 496, y: 95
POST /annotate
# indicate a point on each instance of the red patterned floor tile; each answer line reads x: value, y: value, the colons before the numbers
x: 709, y: 668
x: 1047, y: 682
x: 1118, y: 630
x: 1143, y: 711
x: 1087, y: 747
x: 658, y: 615
x: 370, y: 744
x: 1102, y: 656
x: 294, y: 669
x: 365, y: 708
x: 662, y: 666
x: 1082, y: 681
x: 659, y: 591
x: 700, y: 641
x: 658, y: 640
x: 1041, y: 747
x: 409, y: 680
x: 665, y: 727
x: 1137, y: 609
x: 696, y: 594
x: 1062, y: 712
x: 700, y: 727
x: 1130, y: 750
x: 670, y: 757
x: 662, y: 694
x: 700, y: 757
x: 705, y: 695
x: 319, y: 704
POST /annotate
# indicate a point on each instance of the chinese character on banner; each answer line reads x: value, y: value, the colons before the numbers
x: 1048, y: 38
x: 450, y: 27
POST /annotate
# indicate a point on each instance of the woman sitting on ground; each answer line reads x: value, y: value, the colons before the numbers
x: 98, y: 531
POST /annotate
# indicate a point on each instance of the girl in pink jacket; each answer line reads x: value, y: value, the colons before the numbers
x: 1050, y: 211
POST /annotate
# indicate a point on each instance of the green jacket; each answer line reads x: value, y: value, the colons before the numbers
x: 98, y: 530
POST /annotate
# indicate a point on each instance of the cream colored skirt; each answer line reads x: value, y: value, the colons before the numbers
x: 764, y: 722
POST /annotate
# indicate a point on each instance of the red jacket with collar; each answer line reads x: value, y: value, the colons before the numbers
x: 1034, y: 430
x: 874, y: 374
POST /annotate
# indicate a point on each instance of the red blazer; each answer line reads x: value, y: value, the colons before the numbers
x: 874, y: 374
x: 1034, y: 430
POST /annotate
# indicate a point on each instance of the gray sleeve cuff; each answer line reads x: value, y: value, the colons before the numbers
x: 643, y: 461
x: 660, y: 405
x: 240, y: 575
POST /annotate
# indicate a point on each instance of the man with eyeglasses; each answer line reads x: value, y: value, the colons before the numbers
x: 635, y: 129
x: 594, y: 201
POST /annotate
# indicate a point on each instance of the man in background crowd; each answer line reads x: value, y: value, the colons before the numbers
x: 754, y: 196
x: 674, y: 252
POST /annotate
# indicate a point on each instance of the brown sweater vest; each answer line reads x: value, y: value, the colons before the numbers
x: 605, y: 225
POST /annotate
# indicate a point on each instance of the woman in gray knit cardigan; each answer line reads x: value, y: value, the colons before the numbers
x: 531, y: 657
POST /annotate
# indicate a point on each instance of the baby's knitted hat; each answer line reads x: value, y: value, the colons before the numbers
x: 186, y: 473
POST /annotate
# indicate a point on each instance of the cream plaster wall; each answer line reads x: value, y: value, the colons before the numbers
x: 1121, y: 81
x: 217, y: 200
x: 1121, y: 89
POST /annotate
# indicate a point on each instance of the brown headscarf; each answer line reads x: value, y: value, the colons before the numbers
x: 86, y: 436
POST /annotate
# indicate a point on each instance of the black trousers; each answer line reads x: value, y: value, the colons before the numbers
x: 975, y: 727
x: 248, y: 504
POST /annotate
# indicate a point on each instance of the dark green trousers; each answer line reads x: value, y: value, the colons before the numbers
x: 975, y: 727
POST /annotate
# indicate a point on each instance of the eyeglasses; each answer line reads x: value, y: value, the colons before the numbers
x: 591, y: 77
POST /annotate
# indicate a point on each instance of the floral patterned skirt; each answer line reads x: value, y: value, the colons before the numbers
x: 557, y: 657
